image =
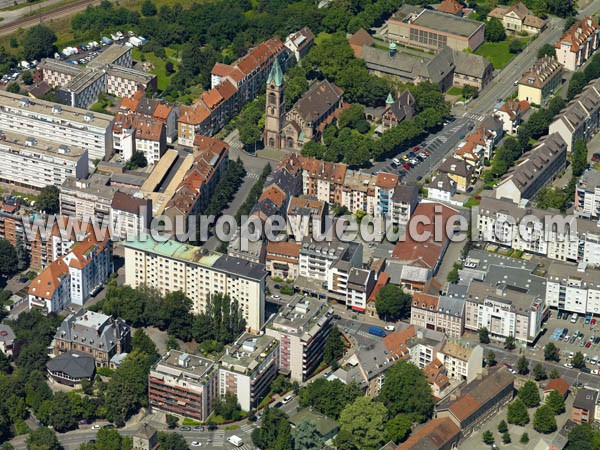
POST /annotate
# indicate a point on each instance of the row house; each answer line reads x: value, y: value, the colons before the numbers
x: 580, y: 119
x: 443, y: 313
x: 541, y: 80
x: 578, y: 43
x: 135, y: 133
x: 511, y: 115
x: 141, y: 105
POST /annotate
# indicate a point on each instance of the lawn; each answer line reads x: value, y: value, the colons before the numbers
x: 454, y: 90
x: 163, y: 79
x: 497, y: 53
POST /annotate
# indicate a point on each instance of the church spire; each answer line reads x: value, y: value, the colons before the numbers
x: 276, y: 74
x: 389, y: 99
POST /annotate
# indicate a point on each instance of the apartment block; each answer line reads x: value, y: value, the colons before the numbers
x: 534, y: 170
x: 403, y: 202
x: 35, y: 163
x: 248, y: 368
x: 184, y: 385
x: 541, y: 80
x: 305, y: 209
x: 301, y: 327
x: 95, y: 333
x: 578, y: 43
x: 463, y: 362
x: 443, y: 313
x: 511, y: 115
x: 282, y: 259
x: 581, y: 117
x: 129, y: 215
x: 587, y: 195
x: 136, y: 133
x: 172, y: 266
x: 141, y: 105
x: 86, y: 198
x: 359, y: 286
x: 584, y: 406
x: 59, y: 124
x: 573, y: 288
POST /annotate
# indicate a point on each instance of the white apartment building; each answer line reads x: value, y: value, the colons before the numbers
x: 130, y: 215
x: 587, y: 195
x: 62, y: 125
x: 573, y: 288
x: 248, y: 367
x: 301, y: 327
x: 87, y: 198
x: 172, y: 266
x: 317, y: 259
x: 359, y: 286
x: 462, y: 361
x: 402, y: 203
x: 34, y: 163
x: 50, y: 291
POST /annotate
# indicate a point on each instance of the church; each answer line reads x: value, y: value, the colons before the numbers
x: 308, y: 117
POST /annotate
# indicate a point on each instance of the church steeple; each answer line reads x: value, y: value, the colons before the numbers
x: 275, y: 107
x: 389, y: 99
x: 276, y: 74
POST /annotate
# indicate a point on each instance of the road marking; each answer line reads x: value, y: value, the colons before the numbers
x: 253, y: 176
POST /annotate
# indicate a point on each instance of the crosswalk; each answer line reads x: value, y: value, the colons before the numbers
x: 253, y: 176
x: 475, y: 116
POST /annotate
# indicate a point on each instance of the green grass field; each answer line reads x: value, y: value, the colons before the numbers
x: 163, y: 79
x: 496, y: 52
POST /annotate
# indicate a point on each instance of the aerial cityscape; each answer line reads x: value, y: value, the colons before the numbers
x: 299, y: 225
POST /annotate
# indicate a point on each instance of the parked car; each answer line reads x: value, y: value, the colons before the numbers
x: 596, y: 157
x: 287, y: 399
x: 406, y: 166
x: 185, y: 429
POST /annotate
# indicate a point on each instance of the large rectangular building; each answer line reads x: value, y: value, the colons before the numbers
x: 172, y: 266
x: 62, y: 125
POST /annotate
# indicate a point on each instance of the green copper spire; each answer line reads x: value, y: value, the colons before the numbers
x: 276, y: 74
x: 389, y: 99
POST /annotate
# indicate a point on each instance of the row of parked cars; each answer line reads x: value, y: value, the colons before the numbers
x: 412, y: 158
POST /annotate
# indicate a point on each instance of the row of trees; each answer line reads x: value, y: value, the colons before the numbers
x: 226, y: 188
x: 253, y: 195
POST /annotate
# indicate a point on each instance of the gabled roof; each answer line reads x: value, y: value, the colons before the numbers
x: 436, y: 433
x: 76, y: 365
x: 318, y: 100
x: 578, y: 34
x: 450, y: 7
x: 46, y: 283
x: 557, y: 384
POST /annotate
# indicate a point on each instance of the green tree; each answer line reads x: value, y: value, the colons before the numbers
x: 579, y: 158
x: 524, y: 438
x: 539, y: 373
x: 49, y: 200
x: 398, y: 428
x: 392, y: 303
x: 494, y: 30
x: 169, y: 68
x: 365, y: 419
x: 583, y: 437
x: 488, y: 437
x: 522, y: 366
x: 42, y: 438
x: 62, y: 417
x: 517, y: 413
x: 138, y: 159
x: 515, y: 46
x: 502, y: 426
x: 110, y: 439
x: 328, y: 397
x: 172, y: 421
x: 172, y: 441
x: 453, y: 275
x: 27, y: 78
x: 405, y: 390
x: 143, y: 344
x: 469, y: 91
x: 351, y: 117
x: 530, y: 394
x: 578, y: 360
x: 506, y: 438
x: 38, y: 43
x: 307, y: 437
x: 334, y: 346
x: 576, y: 84
x: 551, y: 352
x: 13, y: 87
x: 491, y: 358
x: 509, y: 342
x: 556, y: 104
x: 484, y: 335
x: 546, y: 50
x: 8, y: 258
x: 274, y: 432
x: 554, y: 374
x: 148, y: 8
x: 556, y: 402
x: 228, y: 407
x: 544, y: 420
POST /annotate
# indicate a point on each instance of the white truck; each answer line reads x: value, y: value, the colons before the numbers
x: 235, y: 441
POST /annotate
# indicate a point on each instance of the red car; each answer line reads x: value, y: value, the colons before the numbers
x: 593, y: 322
x: 406, y: 166
x: 588, y: 344
x: 596, y: 157
x: 416, y: 148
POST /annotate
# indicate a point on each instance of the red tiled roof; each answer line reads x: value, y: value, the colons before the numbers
x: 386, y: 180
x: 425, y: 301
x: 436, y: 433
x: 396, y: 342
x: 559, y: 384
x: 49, y: 280
x: 450, y: 7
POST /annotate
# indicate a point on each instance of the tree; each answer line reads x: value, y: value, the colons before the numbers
x: 494, y: 30
x: 227, y: 407
x: 38, y: 43
x: 522, y: 366
x: 8, y: 258
x: 398, y: 428
x: 328, y: 397
x: 582, y: 437
x: 365, y: 419
x: 274, y: 432
x: 576, y: 84
x: 524, y: 438
x: 392, y: 303
x: 453, y: 275
x: 334, y: 346
x: 484, y: 335
x: 307, y: 437
x: 554, y: 374
x: 27, y: 78
x: 509, y: 342
x: 148, y: 8
x: 556, y: 104
x: 143, y: 344
x: 172, y: 421
x: 172, y: 441
x: 530, y: 394
x: 546, y: 50
x: 405, y: 390
x: 502, y: 426
x: 469, y: 91
x: 42, y: 438
x: 506, y: 438
x: 539, y: 373
x: 578, y: 360
x: 13, y: 87
x: 491, y: 358
x: 110, y: 439
x: 579, y: 158
x: 138, y: 159
x: 544, y: 420
x: 170, y: 68
x: 515, y: 46
x: 551, y: 352
x: 556, y: 402
x: 351, y: 117
x: 488, y: 437
x: 61, y: 414
x: 49, y: 200
x: 517, y: 413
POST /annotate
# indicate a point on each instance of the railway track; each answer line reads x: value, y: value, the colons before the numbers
x: 59, y: 12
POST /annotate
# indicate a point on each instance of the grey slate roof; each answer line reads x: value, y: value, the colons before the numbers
x: 471, y: 64
x: 318, y: 100
x: 442, y: 182
x: 74, y: 364
x: 406, y: 193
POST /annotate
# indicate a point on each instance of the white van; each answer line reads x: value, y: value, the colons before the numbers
x: 574, y: 318
x: 235, y: 441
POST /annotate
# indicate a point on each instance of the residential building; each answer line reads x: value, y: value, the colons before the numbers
x: 573, y: 288
x: 184, y: 385
x: 397, y: 110
x: 518, y: 19
x: 59, y: 124
x: 403, y: 202
x: 359, y: 286
x: 93, y: 333
x: 479, y: 400
x: 300, y: 42
x: 487, y: 136
x: 307, y: 118
x: 145, y: 438
x: 437, y: 377
x: 471, y: 70
x: 87, y: 198
x: 431, y: 30
x: 301, y: 327
x: 581, y: 117
x: 451, y: 7
x: 143, y: 106
x: 535, y: 169
x: 443, y: 313
x: 248, y: 367
x: 578, y: 43
x: 587, y: 195
x: 424, y: 346
x: 459, y: 171
x: 33, y: 163
x: 541, y: 80
x: 556, y: 384
x: 71, y: 368
x: 511, y: 115
x: 464, y: 362
x: 441, y: 188
x: 136, y: 133
x: 283, y: 259
x: 7, y: 338
x: 423, y: 311
x: 584, y: 406
x: 358, y: 40
x: 442, y: 434
x: 129, y: 215
x: 305, y: 209
x: 172, y: 266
